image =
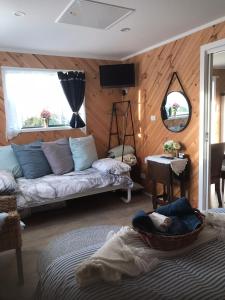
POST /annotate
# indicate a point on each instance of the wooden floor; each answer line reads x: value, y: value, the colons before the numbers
x: 41, y: 227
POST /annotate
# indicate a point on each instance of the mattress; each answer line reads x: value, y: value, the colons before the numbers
x: 197, y: 275
x: 46, y: 189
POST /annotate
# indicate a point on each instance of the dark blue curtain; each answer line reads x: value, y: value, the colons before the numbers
x: 73, y: 84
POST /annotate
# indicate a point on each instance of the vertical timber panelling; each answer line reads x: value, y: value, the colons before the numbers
x: 98, y: 101
x: 155, y: 68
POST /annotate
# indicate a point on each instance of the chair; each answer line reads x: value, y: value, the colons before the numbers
x: 10, y: 233
x: 160, y: 173
x: 217, y: 154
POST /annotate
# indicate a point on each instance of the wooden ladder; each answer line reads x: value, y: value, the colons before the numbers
x: 114, y: 118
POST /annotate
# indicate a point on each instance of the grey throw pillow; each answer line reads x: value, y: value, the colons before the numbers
x: 59, y: 156
x: 32, y: 160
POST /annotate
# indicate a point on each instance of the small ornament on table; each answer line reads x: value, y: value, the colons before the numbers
x: 45, y: 115
x: 172, y: 147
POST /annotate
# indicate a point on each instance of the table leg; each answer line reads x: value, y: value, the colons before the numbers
x: 154, y: 195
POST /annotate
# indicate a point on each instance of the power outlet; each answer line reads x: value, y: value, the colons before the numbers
x: 143, y: 176
x: 152, y: 118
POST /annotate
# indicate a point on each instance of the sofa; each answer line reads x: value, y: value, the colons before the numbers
x: 42, y: 173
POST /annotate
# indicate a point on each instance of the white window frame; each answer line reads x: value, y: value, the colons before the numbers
x: 38, y: 129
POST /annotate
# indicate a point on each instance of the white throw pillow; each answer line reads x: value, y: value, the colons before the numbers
x: 109, y: 165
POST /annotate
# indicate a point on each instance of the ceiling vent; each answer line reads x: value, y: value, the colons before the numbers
x: 93, y: 14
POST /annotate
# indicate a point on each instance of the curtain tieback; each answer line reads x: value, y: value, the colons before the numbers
x: 76, y: 113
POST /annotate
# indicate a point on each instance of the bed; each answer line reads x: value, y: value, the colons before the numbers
x: 196, y: 275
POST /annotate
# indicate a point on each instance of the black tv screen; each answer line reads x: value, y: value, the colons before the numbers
x: 122, y: 75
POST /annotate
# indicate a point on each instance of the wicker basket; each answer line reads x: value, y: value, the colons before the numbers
x: 174, y: 242
x: 7, y: 203
x: 10, y: 234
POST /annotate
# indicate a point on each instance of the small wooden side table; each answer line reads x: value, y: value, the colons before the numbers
x: 160, y: 171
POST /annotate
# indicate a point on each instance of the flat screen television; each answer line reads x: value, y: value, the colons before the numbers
x: 117, y: 76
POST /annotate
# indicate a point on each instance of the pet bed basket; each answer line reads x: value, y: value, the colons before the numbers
x: 172, y: 242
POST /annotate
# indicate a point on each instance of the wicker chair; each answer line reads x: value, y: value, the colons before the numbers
x: 10, y: 233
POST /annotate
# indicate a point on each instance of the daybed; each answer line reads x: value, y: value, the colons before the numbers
x: 49, y: 172
x: 197, y: 274
x: 55, y: 188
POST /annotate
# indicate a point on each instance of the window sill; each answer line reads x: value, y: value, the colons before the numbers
x: 46, y: 129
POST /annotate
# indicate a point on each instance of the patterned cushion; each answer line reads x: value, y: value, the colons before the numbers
x: 8, y: 161
x: 84, y: 152
x: 59, y: 156
x: 117, y: 151
x: 32, y: 160
x: 7, y: 183
x: 109, y: 165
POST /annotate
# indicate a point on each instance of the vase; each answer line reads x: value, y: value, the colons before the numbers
x: 170, y: 154
x: 46, y: 122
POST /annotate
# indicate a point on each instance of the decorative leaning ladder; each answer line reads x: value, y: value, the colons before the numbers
x: 114, y: 119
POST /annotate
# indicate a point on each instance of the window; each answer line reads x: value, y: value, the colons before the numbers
x: 28, y: 94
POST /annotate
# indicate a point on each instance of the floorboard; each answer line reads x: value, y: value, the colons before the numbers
x: 42, y: 227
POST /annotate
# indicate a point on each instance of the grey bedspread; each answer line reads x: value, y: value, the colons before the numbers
x: 44, y: 190
x: 197, y: 275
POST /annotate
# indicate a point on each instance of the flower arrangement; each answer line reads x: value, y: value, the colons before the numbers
x: 171, y: 146
x: 175, y: 106
x: 45, y: 114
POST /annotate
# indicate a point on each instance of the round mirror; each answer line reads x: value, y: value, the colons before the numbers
x: 176, y: 111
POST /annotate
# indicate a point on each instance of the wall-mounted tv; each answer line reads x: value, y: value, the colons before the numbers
x: 117, y: 76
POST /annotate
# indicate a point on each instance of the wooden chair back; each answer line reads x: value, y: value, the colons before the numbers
x: 217, y: 155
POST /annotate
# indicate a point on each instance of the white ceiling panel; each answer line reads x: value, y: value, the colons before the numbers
x: 93, y: 14
x: 151, y: 22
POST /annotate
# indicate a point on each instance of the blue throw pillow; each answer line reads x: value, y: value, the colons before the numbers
x: 83, y: 151
x: 32, y: 160
x: 8, y: 161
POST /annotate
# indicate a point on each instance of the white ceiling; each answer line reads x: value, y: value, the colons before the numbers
x: 152, y: 23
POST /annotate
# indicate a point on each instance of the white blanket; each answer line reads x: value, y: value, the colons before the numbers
x: 125, y: 253
x: 44, y: 190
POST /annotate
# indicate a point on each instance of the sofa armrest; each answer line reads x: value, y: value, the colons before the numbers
x: 7, y: 203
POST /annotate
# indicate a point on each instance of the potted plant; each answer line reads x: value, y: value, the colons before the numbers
x: 171, y: 147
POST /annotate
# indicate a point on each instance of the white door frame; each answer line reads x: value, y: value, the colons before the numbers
x: 206, y: 52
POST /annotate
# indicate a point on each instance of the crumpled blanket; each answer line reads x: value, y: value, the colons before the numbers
x: 124, y: 253
x: 121, y: 254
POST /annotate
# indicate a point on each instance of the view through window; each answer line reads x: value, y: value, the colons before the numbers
x: 33, y: 96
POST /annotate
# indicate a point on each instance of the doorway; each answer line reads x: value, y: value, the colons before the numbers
x: 212, y: 124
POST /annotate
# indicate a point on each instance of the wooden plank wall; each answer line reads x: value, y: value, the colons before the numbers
x: 98, y: 100
x: 155, y: 68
